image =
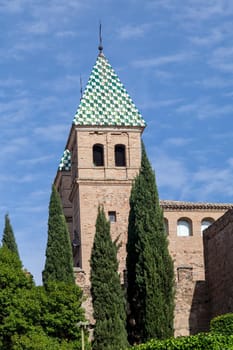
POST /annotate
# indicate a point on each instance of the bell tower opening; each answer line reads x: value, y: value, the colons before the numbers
x: 120, y: 159
x: 98, y: 155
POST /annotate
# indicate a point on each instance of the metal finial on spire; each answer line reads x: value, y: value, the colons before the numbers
x: 81, y: 87
x: 100, y: 39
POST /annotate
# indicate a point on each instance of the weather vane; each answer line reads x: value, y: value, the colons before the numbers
x: 100, y: 39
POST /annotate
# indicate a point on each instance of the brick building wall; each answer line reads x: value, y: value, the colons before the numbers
x: 82, y: 197
x: 191, y: 306
x: 218, y: 248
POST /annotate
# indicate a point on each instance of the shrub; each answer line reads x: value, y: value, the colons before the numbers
x: 200, y: 341
x: 222, y: 324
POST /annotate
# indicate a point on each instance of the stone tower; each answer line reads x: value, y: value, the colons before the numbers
x: 101, y: 158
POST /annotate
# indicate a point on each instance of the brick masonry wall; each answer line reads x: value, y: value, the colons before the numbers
x: 87, y: 186
x: 218, y: 248
x: 191, y: 304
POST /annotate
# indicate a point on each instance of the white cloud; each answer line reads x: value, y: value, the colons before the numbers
x: 14, y: 146
x: 66, y: 34
x: 222, y: 59
x: 34, y: 161
x: 10, y: 83
x: 215, y: 82
x: 164, y: 75
x: 12, y: 5
x: 17, y: 179
x: 214, y: 37
x: 177, y: 141
x: 212, y: 181
x: 203, y: 109
x: 171, y: 173
x: 133, y: 31
x: 53, y: 132
x: 39, y: 27
x: 162, y: 60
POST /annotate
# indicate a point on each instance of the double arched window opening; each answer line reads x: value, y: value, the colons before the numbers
x: 119, y: 155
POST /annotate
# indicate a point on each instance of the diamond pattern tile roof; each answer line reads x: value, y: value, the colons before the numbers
x: 65, y: 162
x: 105, y: 100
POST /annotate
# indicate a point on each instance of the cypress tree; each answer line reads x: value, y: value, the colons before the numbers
x: 150, y: 290
x: 8, y: 238
x: 107, y: 294
x: 59, y: 262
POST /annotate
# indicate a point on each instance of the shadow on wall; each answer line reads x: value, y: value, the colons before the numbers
x: 199, y: 318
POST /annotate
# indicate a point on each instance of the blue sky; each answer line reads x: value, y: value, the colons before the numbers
x: 174, y: 57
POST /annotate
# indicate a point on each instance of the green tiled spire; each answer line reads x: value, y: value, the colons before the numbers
x: 105, y: 100
x: 65, y: 162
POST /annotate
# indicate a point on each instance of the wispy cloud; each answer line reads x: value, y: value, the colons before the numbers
x: 213, y: 38
x: 12, y: 6
x: 39, y: 27
x: 17, y: 179
x: 66, y: 34
x: 52, y: 132
x: 203, y: 109
x: 177, y: 141
x: 215, y: 82
x: 10, y: 83
x: 222, y: 59
x: 162, y: 60
x: 133, y: 31
x: 162, y: 162
x: 34, y: 161
x: 156, y: 104
x: 16, y: 145
x: 211, y: 181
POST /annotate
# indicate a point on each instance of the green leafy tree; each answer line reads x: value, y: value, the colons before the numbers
x: 150, y: 290
x: 38, y: 340
x: 107, y: 294
x: 52, y: 313
x: 59, y: 262
x: 12, y: 280
x: 31, y: 315
x: 8, y: 238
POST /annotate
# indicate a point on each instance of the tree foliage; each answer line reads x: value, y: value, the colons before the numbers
x: 31, y: 315
x: 107, y: 294
x: 59, y: 262
x: 8, y: 238
x: 150, y: 289
x: 12, y: 280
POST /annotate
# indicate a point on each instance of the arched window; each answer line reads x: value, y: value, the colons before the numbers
x: 184, y: 227
x: 206, y: 223
x: 165, y: 223
x: 120, y: 155
x: 98, y: 155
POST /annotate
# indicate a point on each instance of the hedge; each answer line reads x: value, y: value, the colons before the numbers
x: 201, y: 341
x: 222, y: 324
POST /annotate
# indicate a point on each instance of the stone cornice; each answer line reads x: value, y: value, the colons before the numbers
x: 178, y: 205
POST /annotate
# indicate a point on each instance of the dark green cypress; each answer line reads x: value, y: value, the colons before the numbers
x: 150, y: 290
x: 8, y: 238
x: 107, y: 294
x: 59, y: 262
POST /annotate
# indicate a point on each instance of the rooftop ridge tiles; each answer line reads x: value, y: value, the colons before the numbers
x: 195, y: 205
